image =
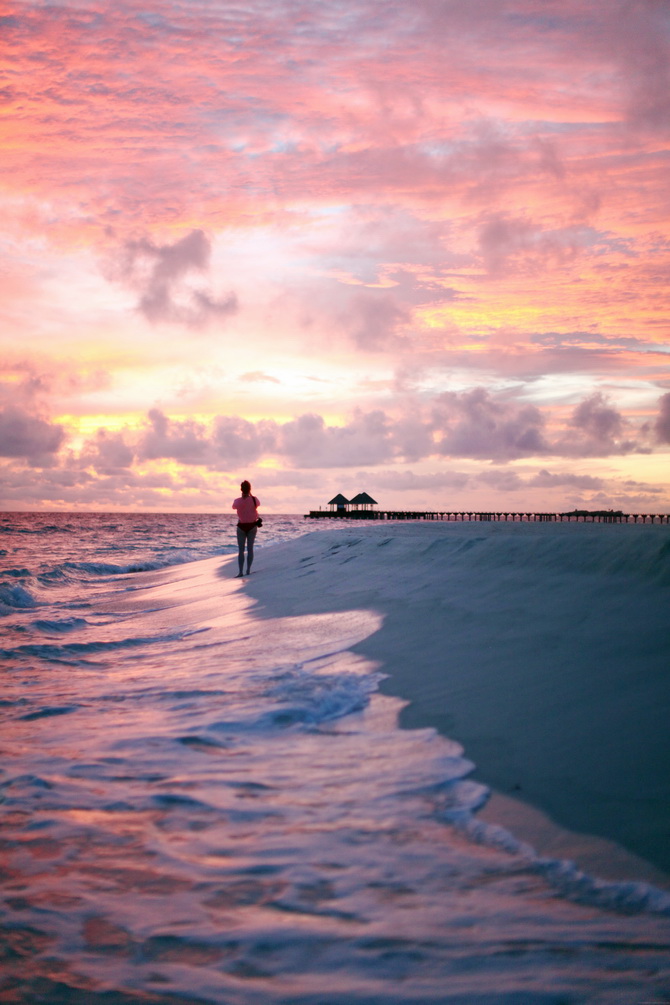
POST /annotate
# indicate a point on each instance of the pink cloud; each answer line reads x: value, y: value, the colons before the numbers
x: 596, y: 417
x: 245, y: 98
x: 561, y: 479
x: 108, y: 453
x: 476, y: 424
x: 375, y: 319
x: 474, y: 192
x: 508, y: 244
x: 598, y: 429
x: 237, y: 441
x: 158, y: 271
x: 186, y: 442
x: 27, y: 436
x: 309, y: 443
x: 662, y: 425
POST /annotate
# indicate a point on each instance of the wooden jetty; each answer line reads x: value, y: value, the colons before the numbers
x: 580, y: 516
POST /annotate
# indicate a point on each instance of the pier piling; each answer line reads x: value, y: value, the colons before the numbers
x: 583, y: 516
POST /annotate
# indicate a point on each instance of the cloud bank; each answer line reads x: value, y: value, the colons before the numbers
x: 427, y: 242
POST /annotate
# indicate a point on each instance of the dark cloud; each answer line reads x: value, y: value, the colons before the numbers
x: 597, y: 429
x: 545, y: 479
x: 375, y: 318
x: 501, y: 238
x: 503, y: 480
x: 28, y: 436
x: 108, y: 453
x: 380, y: 239
x: 309, y: 443
x: 413, y: 438
x: 506, y: 480
x: 509, y: 244
x: 26, y: 389
x: 549, y: 159
x: 644, y: 59
x: 475, y: 424
x: 186, y: 442
x: 600, y: 430
x: 228, y: 442
x: 237, y: 441
x: 423, y: 485
x: 159, y: 273
x: 662, y: 424
x: 76, y: 486
x: 597, y: 418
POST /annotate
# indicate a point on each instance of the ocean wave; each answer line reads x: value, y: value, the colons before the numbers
x: 626, y: 897
x: 300, y: 699
x: 153, y: 564
x: 460, y: 797
x: 15, y: 528
x: 59, y: 625
x: 13, y: 597
x: 103, y: 568
x: 52, y: 577
x: 571, y: 882
x: 76, y: 652
x: 107, y: 548
x: 317, y: 698
x: 47, y: 712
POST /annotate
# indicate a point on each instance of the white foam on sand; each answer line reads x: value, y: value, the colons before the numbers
x: 541, y: 648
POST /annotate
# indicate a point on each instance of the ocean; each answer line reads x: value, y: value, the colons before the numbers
x: 201, y: 805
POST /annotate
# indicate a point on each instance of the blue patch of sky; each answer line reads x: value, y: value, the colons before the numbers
x: 335, y: 210
x: 585, y: 340
x: 438, y: 149
x: 153, y: 19
x: 598, y: 241
x: 541, y: 127
x: 543, y: 22
x: 284, y: 147
x: 604, y: 242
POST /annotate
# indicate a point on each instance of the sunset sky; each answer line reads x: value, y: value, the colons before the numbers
x: 415, y: 247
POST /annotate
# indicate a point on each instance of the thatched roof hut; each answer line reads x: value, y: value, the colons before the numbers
x: 363, y: 501
x: 338, y: 502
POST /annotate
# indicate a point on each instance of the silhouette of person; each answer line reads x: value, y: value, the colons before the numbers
x: 247, y: 517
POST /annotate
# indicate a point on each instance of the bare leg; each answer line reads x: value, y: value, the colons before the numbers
x: 251, y: 537
x: 241, y: 538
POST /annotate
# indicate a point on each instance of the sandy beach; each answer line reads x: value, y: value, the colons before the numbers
x: 543, y: 651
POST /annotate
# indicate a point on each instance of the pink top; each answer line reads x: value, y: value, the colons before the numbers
x: 246, y: 508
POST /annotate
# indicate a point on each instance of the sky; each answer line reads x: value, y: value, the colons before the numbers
x: 416, y: 249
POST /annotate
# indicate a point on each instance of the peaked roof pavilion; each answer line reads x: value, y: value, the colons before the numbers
x: 363, y: 499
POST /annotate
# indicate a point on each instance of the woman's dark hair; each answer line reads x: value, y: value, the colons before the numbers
x: 246, y: 488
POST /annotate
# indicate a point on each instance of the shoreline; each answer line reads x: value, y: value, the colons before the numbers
x: 498, y: 662
x: 596, y: 856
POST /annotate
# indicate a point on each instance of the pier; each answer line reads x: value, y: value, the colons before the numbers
x: 579, y: 516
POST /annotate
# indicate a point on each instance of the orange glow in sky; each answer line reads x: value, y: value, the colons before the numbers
x: 416, y: 249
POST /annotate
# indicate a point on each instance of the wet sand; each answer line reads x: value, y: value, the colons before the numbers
x: 554, y: 680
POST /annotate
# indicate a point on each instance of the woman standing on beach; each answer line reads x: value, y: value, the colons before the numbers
x: 247, y: 525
